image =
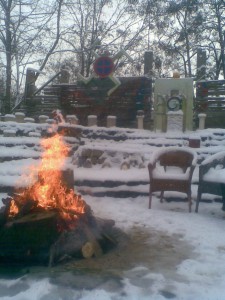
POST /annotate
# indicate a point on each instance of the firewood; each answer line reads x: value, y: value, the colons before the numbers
x: 27, y: 207
x: 88, y: 250
x: 91, y: 248
x: 91, y: 238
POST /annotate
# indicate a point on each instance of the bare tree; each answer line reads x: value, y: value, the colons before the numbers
x: 23, y: 26
x: 179, y: 33
x: 214, y: 41
x: 94, y: 25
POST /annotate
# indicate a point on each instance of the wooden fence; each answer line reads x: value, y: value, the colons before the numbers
x: 210, y: 99
x: 132, y: 95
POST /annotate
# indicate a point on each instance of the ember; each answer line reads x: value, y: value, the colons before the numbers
x: 48, y: 220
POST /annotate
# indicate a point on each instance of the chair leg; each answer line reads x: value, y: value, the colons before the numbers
x: 198, y: 199
x: 161, y: 196
x: 150, y: 198
x: 222, y: 186
x: 223, y: 207
x: 189, y: 201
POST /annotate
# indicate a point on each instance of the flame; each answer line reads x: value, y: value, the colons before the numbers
x: 49, y: 192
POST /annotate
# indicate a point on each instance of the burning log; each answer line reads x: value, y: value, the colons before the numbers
x: 45, y: 237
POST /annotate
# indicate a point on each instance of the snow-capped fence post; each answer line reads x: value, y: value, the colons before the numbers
x: 201, y: 121
x: 72, y: 119
x: 43, y: 119
x: 140, y: 119
x: 111, y: 121
x: 29, y: 120
x: 19, y: 117
x: 10, y: 118
x: 92, y: 120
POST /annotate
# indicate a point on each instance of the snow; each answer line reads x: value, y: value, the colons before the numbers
x: 198, y: 275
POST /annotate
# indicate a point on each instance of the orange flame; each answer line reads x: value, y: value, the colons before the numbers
x: 49, y: 191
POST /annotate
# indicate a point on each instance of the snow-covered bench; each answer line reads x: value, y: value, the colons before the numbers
x: 171, y: 169
x: 212, y: 177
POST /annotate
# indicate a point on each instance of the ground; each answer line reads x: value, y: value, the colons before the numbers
x: 163, y: 253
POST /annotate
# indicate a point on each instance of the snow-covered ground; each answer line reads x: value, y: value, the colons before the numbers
x: 171, y: 253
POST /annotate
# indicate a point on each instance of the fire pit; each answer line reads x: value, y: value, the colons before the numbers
x: 47, y: 221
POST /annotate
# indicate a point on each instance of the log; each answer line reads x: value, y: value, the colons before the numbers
x: 25, y: 238
x: 87, y: 236
x: 26, y: 208
x: 92, y: 239
x: 88, y: 250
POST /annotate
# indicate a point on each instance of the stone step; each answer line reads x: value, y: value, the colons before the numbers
x: 117, y: 189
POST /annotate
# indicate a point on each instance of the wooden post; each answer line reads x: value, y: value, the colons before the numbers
x: 148, y: 63
x: 201, y: 64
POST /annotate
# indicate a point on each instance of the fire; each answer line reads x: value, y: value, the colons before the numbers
x: 49, y: 192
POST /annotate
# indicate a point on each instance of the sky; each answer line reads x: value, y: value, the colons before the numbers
x: 163, y: 253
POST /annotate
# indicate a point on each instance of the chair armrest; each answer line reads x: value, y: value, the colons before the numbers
x: 192, y: 168
x: 211, y: 162
x: 151, y: 167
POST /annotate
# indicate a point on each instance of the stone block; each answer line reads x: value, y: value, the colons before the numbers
x: 111, y: 121
x: 92, y: 120
x: 19, y: 117
x: 43, y: 119
x: 10, y: 118
x: 34, y: 134
x: 72, y: 119
x: 9, y: 133
x: 29, y: 120
x: 140, y: 122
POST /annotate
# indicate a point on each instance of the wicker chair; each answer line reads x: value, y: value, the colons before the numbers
x: 212, y: 177
x: 171, y: 169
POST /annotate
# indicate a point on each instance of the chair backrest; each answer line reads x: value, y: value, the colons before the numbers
x: 177, y: 157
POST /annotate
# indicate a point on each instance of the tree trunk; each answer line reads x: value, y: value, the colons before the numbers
x: 8, y: 46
